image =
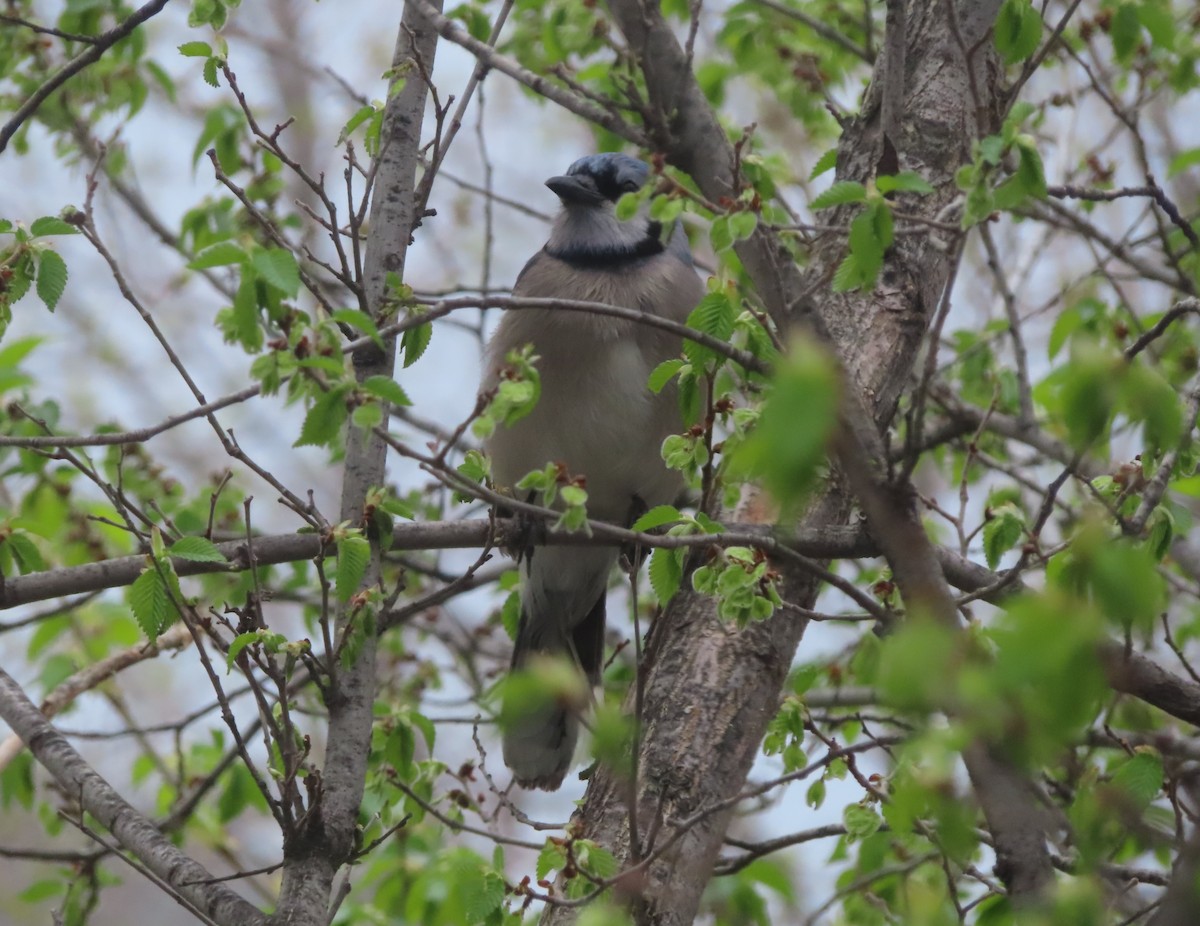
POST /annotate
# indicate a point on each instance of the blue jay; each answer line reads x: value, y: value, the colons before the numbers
x: 595, y: 415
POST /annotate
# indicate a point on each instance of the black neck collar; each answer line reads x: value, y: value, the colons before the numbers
x: 584, y: 258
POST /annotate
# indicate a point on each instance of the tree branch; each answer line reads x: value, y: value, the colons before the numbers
x: 91, y: 55
x: 130, y: 828
x: 327, y: 839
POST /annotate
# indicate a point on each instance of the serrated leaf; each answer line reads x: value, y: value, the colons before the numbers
x: 848, y: 276
x: 196, y: 550
x: 865, y: 244
x: 826, y: 162
x: 481, y: 896
x: 387, y: 389
x: 906, y: 182
x: 663, y: 374
x: 656, y: 517
x: 51, y: 225
x: 51, y: 278
x: 278, y: 268
x: 353, y: 555
x: 220, y: 254
x: 209, y: 72
x: 414, y: 341
x: 195, y: 49
x: 666, y: 573
x: 148, y: 599
x: 324, y: 420
x: 841, y: 193
x: 1141, y: 776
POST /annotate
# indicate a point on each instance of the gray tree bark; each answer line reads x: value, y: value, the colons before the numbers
x: 328, y: 837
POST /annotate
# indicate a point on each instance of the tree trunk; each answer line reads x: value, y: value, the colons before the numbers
x: 709, y: 690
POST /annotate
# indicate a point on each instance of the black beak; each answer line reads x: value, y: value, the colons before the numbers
x: 575, y: 188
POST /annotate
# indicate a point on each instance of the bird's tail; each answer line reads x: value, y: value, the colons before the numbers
x: 562, y: 615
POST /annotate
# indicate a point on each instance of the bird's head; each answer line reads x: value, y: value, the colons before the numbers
x: 599, y: 179
x: 587, y: 231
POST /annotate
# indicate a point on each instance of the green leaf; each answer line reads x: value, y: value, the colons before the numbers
x: 788, y: 445
x: 209, y: 72
x: 906, y: 182
x: 841, y: 193
x: 742, y: 225
x: 245, y: 328
x: 481, y: 895
x: 386, y: 388
x: 552, y: 857
x: 1018, y: 30
x: 1160, y: 23
x: 826, y: 162
x: 1029, y: 167
x: 196, y: 50
x: 360, y: 116
x: 356, y: 318
x: 1001, y: 532
x: 1140, y: 776
x: 656, y: 517
x: 51, y: 225
x: 196, y: 550
x: 150, y: 603
x: 666, y: 573
x: 720, y: 234
x: 324, y: 420
x: 51, y: 278
x: 663, y: 374
x: 367, y: 416
x: 1125, y: 31
x: 715, y: 316
x: 278, y: 268
x: 239, y: 643
x: 220, y: 254
x: 414, y: 341
x: 353, y: 555
x: 627, y: 206
x: 25, y: 552
x: 860, y: 821
x: 848, y: 276
x: 1183, y: 161
x: 866, y: 242
x: 1150, y: 398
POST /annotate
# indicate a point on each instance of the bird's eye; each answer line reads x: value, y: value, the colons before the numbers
x: 629, y: 186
